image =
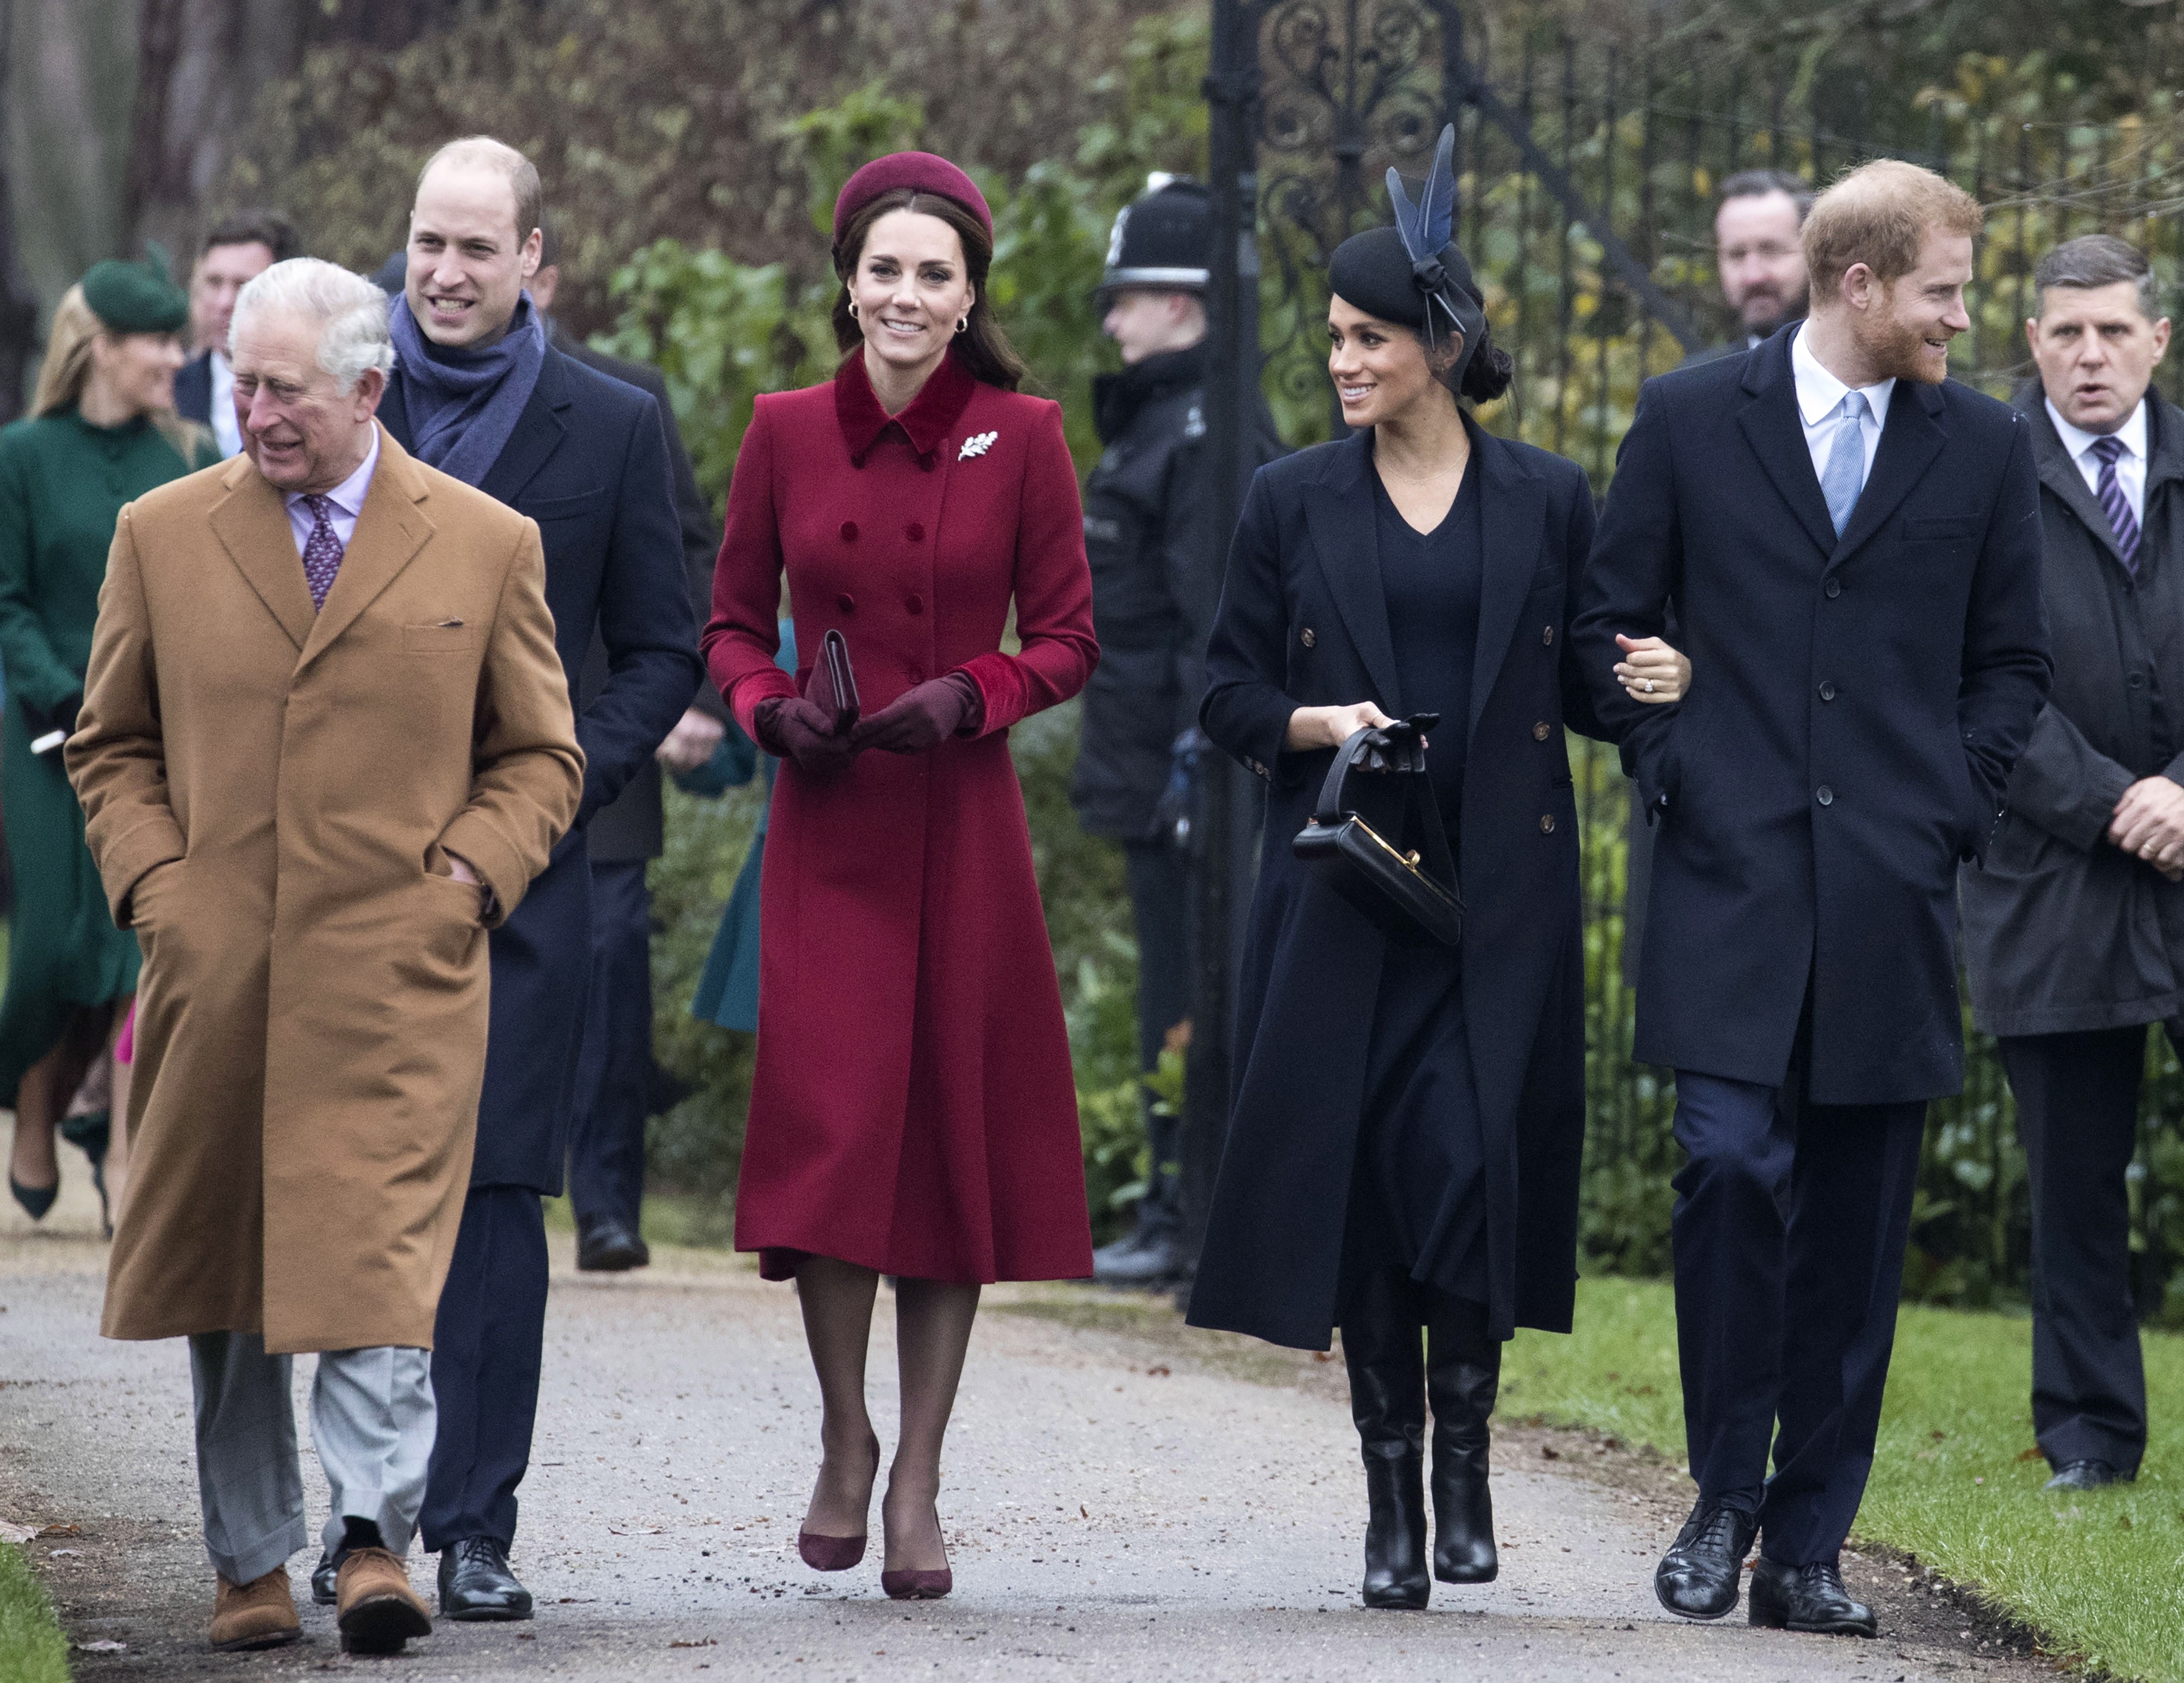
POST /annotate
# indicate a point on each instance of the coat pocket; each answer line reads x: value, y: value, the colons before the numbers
x: 449, y: 636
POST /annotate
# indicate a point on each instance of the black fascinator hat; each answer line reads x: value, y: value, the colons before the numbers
x: 1412, y: 273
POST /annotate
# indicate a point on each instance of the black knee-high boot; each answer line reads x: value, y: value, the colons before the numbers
x: 1383, y: 1343
x: 1464, y: 1372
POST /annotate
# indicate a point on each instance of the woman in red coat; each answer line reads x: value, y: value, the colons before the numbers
x: 912, y: 1112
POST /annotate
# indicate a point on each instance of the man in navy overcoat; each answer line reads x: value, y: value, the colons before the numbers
x: 584, y: 456
x: 1852, y: 547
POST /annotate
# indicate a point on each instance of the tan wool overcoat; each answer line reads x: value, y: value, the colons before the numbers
x: 271, y: 795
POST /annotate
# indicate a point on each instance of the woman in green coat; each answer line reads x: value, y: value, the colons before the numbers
x: 102, y: 430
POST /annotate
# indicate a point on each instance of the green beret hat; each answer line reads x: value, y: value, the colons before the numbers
x: 136, y: 297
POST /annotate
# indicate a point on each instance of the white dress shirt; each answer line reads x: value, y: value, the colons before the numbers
x: 2130, y: 466
x: 1820, y: 394
x: 223, y: 427
x: 347, y: 499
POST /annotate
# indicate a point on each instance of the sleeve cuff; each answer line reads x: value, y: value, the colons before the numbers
x: 499, y: 867
x: 154, y: 841
x: 748, y: 692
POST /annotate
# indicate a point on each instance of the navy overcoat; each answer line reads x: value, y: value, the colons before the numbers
x: 1855, y: 708
x: 1303, y: 622
x: 588, y: 462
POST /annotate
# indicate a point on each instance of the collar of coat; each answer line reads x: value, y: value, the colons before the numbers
x: 931, y: 416
x: 1119, y: 399
x: 2058, y: 472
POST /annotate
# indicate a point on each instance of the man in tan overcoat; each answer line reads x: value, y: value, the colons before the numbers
x: 325, y: 744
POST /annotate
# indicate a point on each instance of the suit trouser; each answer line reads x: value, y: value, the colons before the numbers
x: 371, y: 1423
x: 2078, y: 1115
x: 606, y: 1157
x: 1790, y: 1225
x: 487, y: 1343
x: 1160, y: 898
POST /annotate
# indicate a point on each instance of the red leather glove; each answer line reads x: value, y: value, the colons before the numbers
x: 922, y: 717
x: 790, y: 727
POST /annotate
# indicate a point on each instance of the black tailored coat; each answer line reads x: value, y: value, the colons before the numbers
x: 589, y: 462
x: 1855, y: 708
x: 2062, y: 931
x: 634, y: 827
x: 1303, y: 622
x: 193, y: 389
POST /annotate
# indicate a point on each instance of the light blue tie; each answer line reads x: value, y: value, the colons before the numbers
x: 1845, y: 475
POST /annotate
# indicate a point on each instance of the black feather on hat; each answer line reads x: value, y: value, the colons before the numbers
x: 1412, y: 273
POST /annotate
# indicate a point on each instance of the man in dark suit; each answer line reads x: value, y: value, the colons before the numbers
x: 2073, y: 931
x: 235, y: 252
x: 616, y: 1078
x: 478, y: 392
x: 1759, y: 259
x: 1851, y: 546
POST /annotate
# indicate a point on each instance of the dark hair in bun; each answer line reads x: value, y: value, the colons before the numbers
x: 1489, y: 372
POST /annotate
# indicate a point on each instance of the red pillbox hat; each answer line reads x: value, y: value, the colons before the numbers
x: 920, y: 172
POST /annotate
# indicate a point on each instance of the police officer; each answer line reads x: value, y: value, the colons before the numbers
x: 1156, y: 580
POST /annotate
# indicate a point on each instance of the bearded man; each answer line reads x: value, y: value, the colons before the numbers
x: 1851, y: 546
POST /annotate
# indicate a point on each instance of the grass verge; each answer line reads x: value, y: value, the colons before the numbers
x: 1956, y: 1478
x: 32, y: 1649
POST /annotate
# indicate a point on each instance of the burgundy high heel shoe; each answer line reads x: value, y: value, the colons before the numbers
x: 920, y: 1585
x: 823, y: 1554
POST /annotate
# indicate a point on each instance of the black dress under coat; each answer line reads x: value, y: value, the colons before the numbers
x: 1305, y: 622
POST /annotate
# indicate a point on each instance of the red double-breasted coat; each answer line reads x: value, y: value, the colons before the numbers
x: 913, y: 1109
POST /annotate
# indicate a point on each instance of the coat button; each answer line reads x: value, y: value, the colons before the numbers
x: 1547, y: 635
x: 2137, y: 680
x: 1539, y: 731
x: 916, y: 604
x: 1308, y: 637
x: 1832, y: 588
x: 915, y: 531
x: 918, y: 675
x: 1827, y: 692
x: 846, y: 603
x: 849, y: 531
x: 1546, y: 823
x: 1825, y: 795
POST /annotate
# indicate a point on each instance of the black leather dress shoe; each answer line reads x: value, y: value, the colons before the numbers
x: 2084, y: 1475
x: 324, y: 1576
x: 607, y: 1246
x: 1810, y: 1598
x: 1698, y: 1577
x: 476, y: 1583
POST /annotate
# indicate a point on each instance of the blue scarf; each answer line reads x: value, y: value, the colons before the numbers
x: 463, y: 403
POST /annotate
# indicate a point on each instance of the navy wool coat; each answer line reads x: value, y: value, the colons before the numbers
x: 1303, y: 622
x: 1856, y: 706
x: 589, y: 462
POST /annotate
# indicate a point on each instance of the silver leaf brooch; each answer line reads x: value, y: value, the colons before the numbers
x: 976, y: 445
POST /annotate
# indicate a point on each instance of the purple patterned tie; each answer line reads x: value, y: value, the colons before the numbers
x: 322, y: 554
x: 2115, y: 504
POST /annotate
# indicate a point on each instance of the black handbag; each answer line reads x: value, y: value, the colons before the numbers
x: 1376, y: 836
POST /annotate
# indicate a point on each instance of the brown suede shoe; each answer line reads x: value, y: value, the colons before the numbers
x: 375, y: 1606
x: 258, y: 1614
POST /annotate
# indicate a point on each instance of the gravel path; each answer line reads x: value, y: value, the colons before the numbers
x: 1112, y: 1513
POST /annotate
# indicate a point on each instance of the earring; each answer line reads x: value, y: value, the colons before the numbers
x: 962, y: 322
x: 852, y: 308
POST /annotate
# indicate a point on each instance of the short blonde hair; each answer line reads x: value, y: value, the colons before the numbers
x: 522, y: 175
x: 1880, y: 214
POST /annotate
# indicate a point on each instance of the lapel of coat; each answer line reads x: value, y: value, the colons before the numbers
x: 1911, y: 439
x: 1516, y: 502
x: 1776, y: 433
x: 538, y: 435
x: 1339, y: 513
x: 252, y: 524
x: 2051, y: 456
x: 389, y: 533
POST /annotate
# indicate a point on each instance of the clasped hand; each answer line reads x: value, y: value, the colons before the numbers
x: 923, y: 717
x: 2148, y: 823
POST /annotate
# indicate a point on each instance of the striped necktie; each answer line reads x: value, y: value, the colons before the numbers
x: 2115, y: 504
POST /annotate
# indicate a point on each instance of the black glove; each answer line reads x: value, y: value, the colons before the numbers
x: 43, y: 721
x: 1400, y: 748
x: 791, y: 727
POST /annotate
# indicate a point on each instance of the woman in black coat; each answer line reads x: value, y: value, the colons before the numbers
x: 1408, y: 1120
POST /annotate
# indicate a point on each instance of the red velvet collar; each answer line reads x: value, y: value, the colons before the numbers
x: 931, y: 416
